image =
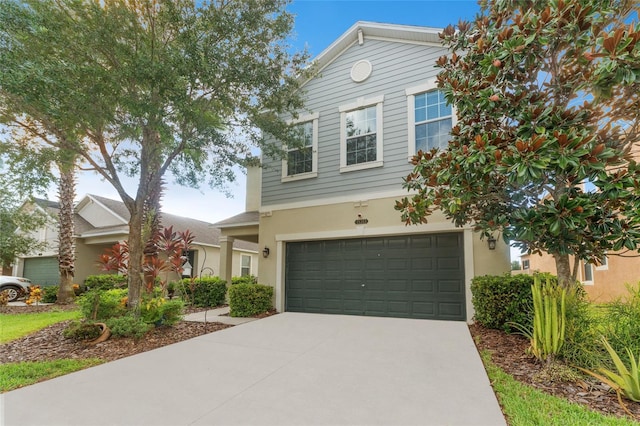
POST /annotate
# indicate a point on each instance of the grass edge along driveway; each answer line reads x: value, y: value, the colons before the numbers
x: 14, y: 326
x: 17, y: 375
x: 524, y: 405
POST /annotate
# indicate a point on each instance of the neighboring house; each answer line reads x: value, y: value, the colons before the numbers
x: 101, y: 222
x: 603, y: 283
x: 324, y: 217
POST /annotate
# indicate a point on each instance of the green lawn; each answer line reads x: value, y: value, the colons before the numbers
x: 526, y: 406
x: 13, y: 326
x: 17, y: 375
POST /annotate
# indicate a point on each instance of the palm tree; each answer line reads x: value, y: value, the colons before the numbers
x: 66, y: 240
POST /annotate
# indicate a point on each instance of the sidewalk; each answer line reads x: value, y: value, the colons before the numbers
x: 216, y: 315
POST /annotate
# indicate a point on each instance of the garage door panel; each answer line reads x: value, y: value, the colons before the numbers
x: 447, y: 240
x: 450, y: 286
x: 449, y: 310
x: 449, y: 264
x: 424, y: 265
x: 43, y: 271
x: 417, y: 276
x: 422, y: 286
x: 423, y: 309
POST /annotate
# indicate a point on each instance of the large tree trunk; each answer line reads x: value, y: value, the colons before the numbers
x: 563, y: 267
x: 66, y: 242
x: 149, y: 192
x: 134, y: 271
x: 151, y: 233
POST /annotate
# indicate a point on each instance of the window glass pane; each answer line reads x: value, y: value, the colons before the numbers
x: 421, y: 100
x: 300, y: 161
x: 245, y: 268
x: 361, y: 149
x: 421, y: 114
x: 588, y: 272
x: 433, y: 111
x: 361, y: 135
x: 445, y: 109
x: 361, y: 121
x: 432, y: 97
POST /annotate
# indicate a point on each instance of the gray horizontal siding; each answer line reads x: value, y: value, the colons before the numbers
x: 396, y: 66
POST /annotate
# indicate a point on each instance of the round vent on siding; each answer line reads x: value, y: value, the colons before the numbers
x: 361, y: 70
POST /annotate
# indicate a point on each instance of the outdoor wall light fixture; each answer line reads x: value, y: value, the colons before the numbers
x: 492, y: 243
x: 265, y: 252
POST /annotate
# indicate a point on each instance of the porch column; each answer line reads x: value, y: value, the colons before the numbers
x: 226, y: 258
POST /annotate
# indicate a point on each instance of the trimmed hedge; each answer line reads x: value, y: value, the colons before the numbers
x: 246, y: 300
x: 105, y: 281
x: 500, y: 299
x: 203, y: 292
x: 247, y: 279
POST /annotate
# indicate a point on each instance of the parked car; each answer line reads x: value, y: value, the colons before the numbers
x: 14, y: 286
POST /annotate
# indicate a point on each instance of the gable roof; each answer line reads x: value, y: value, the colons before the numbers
x: 205, y: 233
x: 376, y: 30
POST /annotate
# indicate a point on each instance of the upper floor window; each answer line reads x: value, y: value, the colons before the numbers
x: 302, y: 161
x: 361, y: 134
x: 430, y: 118
x: 525, y: 264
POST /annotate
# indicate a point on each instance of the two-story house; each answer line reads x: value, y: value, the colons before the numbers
x: 324, y: 216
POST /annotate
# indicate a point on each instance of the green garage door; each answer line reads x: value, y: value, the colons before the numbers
x: 42, y: 270
x: 416, y: 276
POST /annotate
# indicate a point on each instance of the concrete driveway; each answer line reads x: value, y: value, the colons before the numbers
x: 289, y: 369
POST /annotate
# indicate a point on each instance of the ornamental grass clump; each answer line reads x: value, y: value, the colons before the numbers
x: 549, y: 320
x: 625, y: 381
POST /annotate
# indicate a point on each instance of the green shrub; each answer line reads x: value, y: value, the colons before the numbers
x: 203, y: 292
x: 128, y: 326
x: 159, y: 311
x: 105, y: 282
x: 81, y: 331
x: 101, y: 305
x: 582, y: 346
x: 502, y: 299
x: 246, y: 300
x: 50, y: 294
x: 247, y: 279
x: 622, y: 322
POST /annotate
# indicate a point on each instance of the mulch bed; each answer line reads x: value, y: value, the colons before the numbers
x: 49, y: 343
x: 508, y: 351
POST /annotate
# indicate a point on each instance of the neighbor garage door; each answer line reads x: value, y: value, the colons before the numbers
x: 416, y: 276
x: 42, y: 270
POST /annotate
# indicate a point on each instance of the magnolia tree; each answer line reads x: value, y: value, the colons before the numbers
x: 150, y: 89
x: 548, y: 103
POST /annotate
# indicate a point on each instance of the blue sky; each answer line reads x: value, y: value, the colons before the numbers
x: 318, y: 23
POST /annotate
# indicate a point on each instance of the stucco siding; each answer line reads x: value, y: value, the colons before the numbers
x: 396, y: 67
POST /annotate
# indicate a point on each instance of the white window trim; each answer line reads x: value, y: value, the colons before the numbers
x: 604, y: 266
x: 411, y: 93
x: 361, y: 103
x: 314, y: 151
